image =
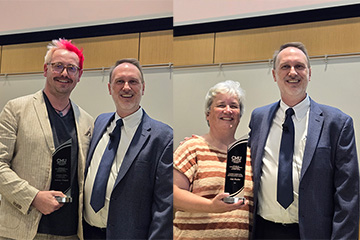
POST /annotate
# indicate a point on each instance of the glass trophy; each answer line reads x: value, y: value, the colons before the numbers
x: 61, y: 171
x: 235, y: 171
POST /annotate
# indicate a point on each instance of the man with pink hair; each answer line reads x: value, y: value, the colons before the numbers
x: 44, y: 139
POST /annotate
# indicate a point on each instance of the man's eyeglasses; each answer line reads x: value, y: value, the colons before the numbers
x: 58, y: 67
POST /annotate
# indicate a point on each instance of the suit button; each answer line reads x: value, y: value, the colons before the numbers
x: 17, y: 205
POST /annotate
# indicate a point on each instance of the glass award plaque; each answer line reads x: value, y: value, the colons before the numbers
x: 235, y: 171
x: 61, y: 171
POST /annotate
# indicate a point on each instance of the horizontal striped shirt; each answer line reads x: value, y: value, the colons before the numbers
x: 205, y: 167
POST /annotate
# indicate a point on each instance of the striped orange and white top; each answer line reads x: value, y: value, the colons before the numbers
x: 205, y: 167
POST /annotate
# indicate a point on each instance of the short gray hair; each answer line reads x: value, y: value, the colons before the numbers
x: 297, y: 45
x: 230, y: 87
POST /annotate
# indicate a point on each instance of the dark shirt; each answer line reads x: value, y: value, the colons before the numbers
x: 64, y: 221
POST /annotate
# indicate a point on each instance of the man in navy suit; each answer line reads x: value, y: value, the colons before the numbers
x: 325, y: 175
x: 138, y: 198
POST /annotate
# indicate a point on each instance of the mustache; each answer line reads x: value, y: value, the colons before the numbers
x: 63, y: 78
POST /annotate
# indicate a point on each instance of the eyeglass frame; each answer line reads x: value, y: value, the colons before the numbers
x: 65, y: 66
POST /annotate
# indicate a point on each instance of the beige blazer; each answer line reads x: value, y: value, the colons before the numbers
x: 26, y: 147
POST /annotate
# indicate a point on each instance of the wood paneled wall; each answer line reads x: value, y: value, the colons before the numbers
x: 23, y: 57
x: 105, y: 51
x: 156, y: 47
x: 194, y: 49
x: 320, y: 38
x: 0, y: 57
x: 149, y: 48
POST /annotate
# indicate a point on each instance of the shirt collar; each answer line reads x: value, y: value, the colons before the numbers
x: 132, y: 120
x: 300, y: 109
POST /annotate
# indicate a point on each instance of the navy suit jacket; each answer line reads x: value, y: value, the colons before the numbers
x: 329, y: 181
x: 141, y: 201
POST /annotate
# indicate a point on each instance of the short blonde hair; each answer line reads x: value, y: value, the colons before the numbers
x: 132, y: 61
x: 298, y: 45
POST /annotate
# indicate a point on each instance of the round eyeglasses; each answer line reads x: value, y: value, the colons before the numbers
x: 59, y: 67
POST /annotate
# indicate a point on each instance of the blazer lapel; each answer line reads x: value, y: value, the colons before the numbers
x: 141, y: 135
x: 82, y: 129
x: 42, y: 115
x: 101, y: 124
x: 315, y: 124
x: 266, y: 123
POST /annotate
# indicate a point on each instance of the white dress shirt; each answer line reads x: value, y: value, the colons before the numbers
x: 128, y: 130
x: 269, y: 208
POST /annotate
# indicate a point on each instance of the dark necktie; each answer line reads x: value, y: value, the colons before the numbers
x: 102, y: 176
x: 285, y: 195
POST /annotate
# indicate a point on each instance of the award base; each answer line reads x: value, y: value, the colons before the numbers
x: 63, y: 199
x: 234, y: 199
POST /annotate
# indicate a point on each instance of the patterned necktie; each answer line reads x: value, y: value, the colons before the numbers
x: 285, y: 195
x: 102, y: 176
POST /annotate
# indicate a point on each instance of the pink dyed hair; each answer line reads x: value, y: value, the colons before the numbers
x: 64, y: 44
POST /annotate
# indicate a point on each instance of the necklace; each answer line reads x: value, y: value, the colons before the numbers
x: 60, y: 111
